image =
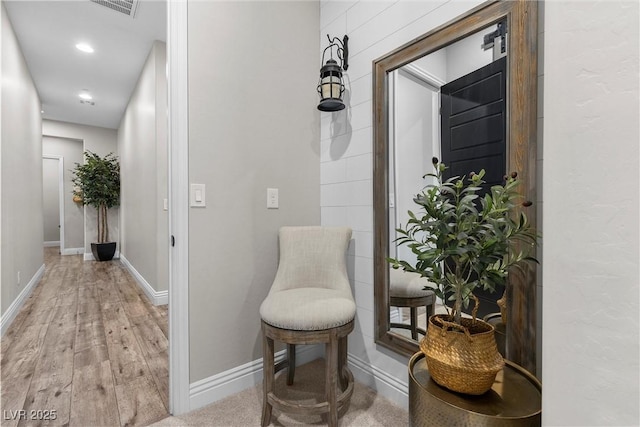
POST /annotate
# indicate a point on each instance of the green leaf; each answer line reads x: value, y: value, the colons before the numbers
x: 462, y: 241
x: 98, y: 179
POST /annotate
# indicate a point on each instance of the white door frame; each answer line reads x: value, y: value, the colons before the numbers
x: 178, y: 103
x: 60, y: 160
x: 435, y: 83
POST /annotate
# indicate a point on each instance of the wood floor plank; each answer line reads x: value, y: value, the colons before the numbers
x: 91, y: 356
x: 41, y: 303
x: 119, y: 274
x: 13, y: 398
x: 30, y: 339
x: 135, y: 307
x: 90, y: 334
x: 127, y: 359
x: 23, y: 314
x: 67, y: 299
x: 139, y: 402
x: 65, y: 314
x: 161, y: 316
x: 18, y: 366
x: 151, y: 338
x: 93, y: 398
x: 48, y: 393
x: 113, y: 313
x: 127, y: 290
x: 52, y: 288
x: 57, y: 353
x: 89, y: 311
x: 40, y: 316
x: 162, y: 383
x: 17, y: 372
x: 50, y: 388
x: 88, y: 294
x: 107, y: 292
x: 160, y: 374
x: 15, y: 329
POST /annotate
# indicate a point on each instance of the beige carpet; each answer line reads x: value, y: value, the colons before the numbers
x: 244, y: 409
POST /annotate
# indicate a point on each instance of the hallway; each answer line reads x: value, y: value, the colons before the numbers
x: 87, y: 349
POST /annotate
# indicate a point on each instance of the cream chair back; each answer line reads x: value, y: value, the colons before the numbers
x: 313, y: 257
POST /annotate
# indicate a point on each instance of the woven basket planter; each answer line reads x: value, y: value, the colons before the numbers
x: 463, y: 358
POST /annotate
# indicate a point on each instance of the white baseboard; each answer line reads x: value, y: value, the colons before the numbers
x: 156, y: 297
x: 9, y: 316
x: 52, y: 244
x: 219, y: 386
x: 88, y: 256
x: 74, y: 251
x: 386, y: 385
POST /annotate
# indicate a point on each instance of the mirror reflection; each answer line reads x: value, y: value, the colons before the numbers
x: 450, y: 104
x: 480, y: 71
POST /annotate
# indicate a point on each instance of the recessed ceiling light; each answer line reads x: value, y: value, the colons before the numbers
x: 85, y: 96
x: 84, y: 47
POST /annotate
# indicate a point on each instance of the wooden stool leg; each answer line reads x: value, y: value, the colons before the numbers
x: 332, y: 378
x: 342, y: 363
x: 414, y: 323
x: 431, y: 309
x: 291, y: 364
x: 268, y: 381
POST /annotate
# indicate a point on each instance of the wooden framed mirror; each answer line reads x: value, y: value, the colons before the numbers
x: 519, y: 122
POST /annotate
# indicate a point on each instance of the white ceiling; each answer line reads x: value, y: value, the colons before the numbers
x: 48, y: 32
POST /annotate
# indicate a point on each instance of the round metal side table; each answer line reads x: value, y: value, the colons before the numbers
x: 514, y: 400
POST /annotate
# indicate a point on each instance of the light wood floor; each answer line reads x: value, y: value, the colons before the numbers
x: 88, y: 345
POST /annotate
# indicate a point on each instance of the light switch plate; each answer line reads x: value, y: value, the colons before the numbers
x: 272, y: 198
x: 197, y: 196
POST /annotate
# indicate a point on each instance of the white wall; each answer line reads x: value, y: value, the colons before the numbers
x: 101, y: 141
x: 21, y: 219
x: 253, y: 124
x: 374, y: 28
x: 591, y: 214
x: 142, y: 145
x: 413, y: 148
x: 434, y: 64
x: 467, y: 55
x: 162, y: 162
x: 71, y: 152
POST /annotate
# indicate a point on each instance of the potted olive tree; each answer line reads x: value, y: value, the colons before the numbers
x: 464, y: 242
x: 98, y: 185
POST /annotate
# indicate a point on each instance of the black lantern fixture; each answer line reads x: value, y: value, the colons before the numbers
x: 331, y: 86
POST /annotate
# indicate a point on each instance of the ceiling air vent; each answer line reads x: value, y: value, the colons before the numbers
x: 128, y: 7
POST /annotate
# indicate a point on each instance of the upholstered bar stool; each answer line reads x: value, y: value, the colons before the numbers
x: 310, y: 302
x: 406, y: 289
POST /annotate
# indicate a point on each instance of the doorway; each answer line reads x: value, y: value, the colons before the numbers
x: 52, y: 203
x: 474, y: 137
x: 70, y: 219
x: 98, y: 143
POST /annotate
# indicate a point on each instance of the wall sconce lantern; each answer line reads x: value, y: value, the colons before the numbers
x: 331, y: 86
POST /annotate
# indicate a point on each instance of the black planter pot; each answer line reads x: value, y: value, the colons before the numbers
x: 103, y: 251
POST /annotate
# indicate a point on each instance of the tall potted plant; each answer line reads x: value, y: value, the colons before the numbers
x: 463, y: 242
x: 98, y: 185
